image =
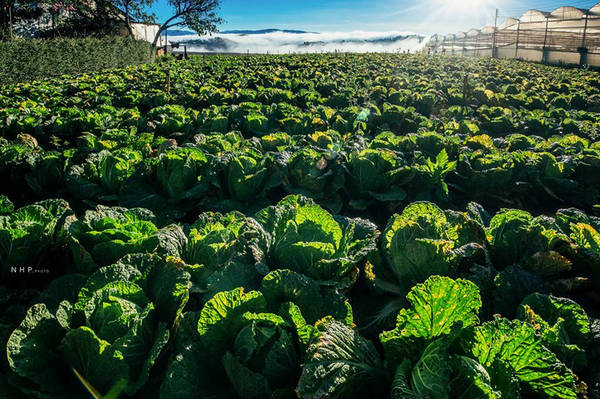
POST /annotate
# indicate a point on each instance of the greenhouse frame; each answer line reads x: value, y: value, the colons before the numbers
x: 567, y: 35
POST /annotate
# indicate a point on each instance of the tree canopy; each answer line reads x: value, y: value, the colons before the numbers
x: 198, y: 15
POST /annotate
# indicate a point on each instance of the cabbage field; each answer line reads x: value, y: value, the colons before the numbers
x: 313, y: 226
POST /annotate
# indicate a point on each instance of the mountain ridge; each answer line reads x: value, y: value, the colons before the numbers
x: 175, y: 32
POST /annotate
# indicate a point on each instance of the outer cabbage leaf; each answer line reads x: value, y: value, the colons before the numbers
x: 516, y: 343
x: 221, y: 318
x: 105, y: 234
x: 561, y: 323
x: 31, y: 349
x: 6, y: 206
x: 438, y: 306
x: 513, y: 236
x: 431, y: 374
x: 221, y: 252
x: 31, y: 232
x: 307, y: 239
x: 92, y: 358
x: 314, y: 301
x: 401, y: 388
x: 551, y: 309
x: 419, y: 243
x: 342, y: 364
x: 472, y: 381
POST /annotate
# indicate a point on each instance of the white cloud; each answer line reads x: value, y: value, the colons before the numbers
x: 355, y: 41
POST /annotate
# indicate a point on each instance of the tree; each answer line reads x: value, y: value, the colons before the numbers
x: 198, y: 15
x: 13, y: 11
x: 6, y: 19
x: 134, y: 10
x: 72, y: 18
x: 67, y: 17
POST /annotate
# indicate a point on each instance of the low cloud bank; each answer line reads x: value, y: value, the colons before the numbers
x: 282, y: 42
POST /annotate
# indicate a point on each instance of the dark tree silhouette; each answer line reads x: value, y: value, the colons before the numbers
x: 198, y: 15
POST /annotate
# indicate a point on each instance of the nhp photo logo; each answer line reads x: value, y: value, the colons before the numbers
x: 28, y: 270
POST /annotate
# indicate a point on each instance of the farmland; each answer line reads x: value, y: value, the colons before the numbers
x: 316, y: 226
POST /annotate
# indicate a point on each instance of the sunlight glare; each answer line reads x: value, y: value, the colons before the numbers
x: 465, y: 7
x: 450, y: 16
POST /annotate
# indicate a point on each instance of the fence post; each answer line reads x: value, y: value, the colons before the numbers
x: 494, y: 37
x: 517, y: 43
x: 584, y: 30
x: 544, y: 55
x: 168, y: 88
x: 583, y: 49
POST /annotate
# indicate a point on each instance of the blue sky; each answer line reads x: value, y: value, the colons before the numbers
x: 425, y: 16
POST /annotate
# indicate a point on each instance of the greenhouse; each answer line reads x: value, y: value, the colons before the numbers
x: 566, y: 35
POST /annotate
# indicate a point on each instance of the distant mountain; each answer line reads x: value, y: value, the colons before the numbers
x: 379, y: 40
x: 213, y: 44
x: 263, y: 31
x: 175, y: 32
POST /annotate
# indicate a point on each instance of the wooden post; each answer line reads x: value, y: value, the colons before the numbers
x: 465, y: 91
x: 168, y: 81
x: 518, y: 37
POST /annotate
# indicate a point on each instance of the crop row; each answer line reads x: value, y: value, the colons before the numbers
x: 302, y: 226
x: 130, y: 278
x: 226, y: 172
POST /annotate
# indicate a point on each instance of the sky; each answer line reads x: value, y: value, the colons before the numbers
x: 425, y: 16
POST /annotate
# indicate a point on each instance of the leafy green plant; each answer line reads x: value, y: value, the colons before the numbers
x: 298, y: 295
x: 220, y: 251
x: 105, y: 234
x: 305, y: 238
x: 171, y: 183
x: 113, y: 332
x: 376, y: 175
x: 235, y: 348
x: 31, y: 233
x: 438, y: 349
x: 103, y: 174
